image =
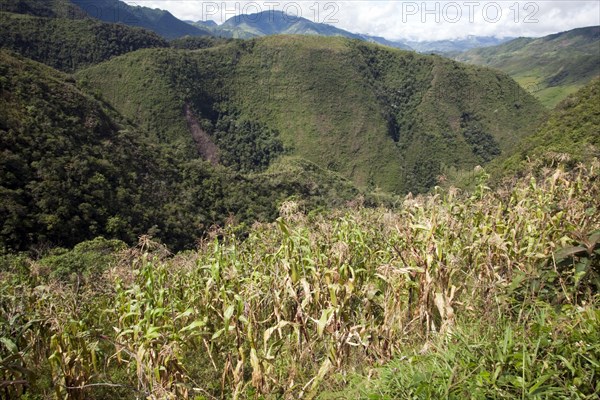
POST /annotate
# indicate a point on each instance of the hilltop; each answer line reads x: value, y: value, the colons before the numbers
x: 383, y: 118
x: 550, y: 67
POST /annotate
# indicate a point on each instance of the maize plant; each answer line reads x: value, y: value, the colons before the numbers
x: 300, y: 304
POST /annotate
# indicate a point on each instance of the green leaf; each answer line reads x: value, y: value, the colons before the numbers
x: 217, y: 334
x: 536, y: 388
x: 228, y: 313
x: 570, y: 251
x: 10, y: 345
x: 194, y: 325
x: 152, y: 333
x: 567, y: 364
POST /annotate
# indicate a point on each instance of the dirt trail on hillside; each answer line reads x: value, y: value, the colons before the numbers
x: 204, y: 144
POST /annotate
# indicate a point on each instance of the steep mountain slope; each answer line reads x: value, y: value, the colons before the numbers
x: 43, y: 8
x: 159, y: 21
x: 550, y: 67
x: 277, y: 22
x: 381, y: 117
x: 572, y: 133
x: 71, y: 168
x: 68, y: 172
x: 69, y: 44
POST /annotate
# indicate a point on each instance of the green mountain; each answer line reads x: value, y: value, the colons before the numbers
x: 550, y: 67
x: 381, y: 117
x: 571, y: 134
x: 159, y: 21
x: 69, y: 44
x: 68, y: 170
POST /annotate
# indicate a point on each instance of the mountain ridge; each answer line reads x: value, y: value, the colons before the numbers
x: 157, y: 20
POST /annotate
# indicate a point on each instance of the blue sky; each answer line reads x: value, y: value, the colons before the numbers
x: 414, y: 20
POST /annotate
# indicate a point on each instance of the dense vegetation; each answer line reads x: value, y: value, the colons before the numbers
x: 72, y: 169
x: 69, y: 44
x: 485, y: 295
x: 571, y: 135
x: 380, y: 117
x: 551, y: 67
x: 96, y: 178
x: 43, y: 8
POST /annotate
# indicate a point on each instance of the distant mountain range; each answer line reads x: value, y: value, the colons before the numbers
x: 277, y: 22
x: 268, y: 23
x: 243, y: 26
x: 550, y: 67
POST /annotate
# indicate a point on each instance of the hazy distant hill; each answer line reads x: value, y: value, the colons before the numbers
x: 550, y: 67
x: 447, y: 46
x: 276, y: 23
x: 159, y: 21
x: 379, y: 116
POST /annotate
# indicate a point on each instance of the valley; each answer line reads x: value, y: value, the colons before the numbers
x: 551, y: 67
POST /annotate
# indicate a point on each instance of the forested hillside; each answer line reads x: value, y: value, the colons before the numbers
x: 43, y: 8
x: 69, y: 44
x: 73, y: 169
x: 278, y: 218
x: 381, y: 117
x: 572, y: 134
x: 550, y: 67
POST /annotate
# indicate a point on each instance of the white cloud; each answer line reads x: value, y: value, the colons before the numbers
x: 416, y: 20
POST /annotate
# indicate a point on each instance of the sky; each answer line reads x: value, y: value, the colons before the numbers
x: 408, y: 20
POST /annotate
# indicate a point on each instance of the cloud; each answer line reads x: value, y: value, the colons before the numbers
x: 414, y: 20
